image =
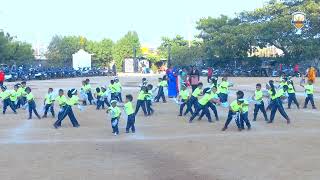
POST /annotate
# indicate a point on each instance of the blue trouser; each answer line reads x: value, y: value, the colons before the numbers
x: 204, y: 109
x: 193, y: 101
x: 223, y: 97
x: 160, y: 95
x: 67, y: 111
x: 114, y: 96
x: 90, y: 97
x: 23, y: 100
x: 309, y: 98
x: 142, y: 104
x: 260, y: 107
x: 100, y: 103
x: 9, y: 103
x: 130, y: 123
x: 106, y: 101
x: 149, y: 108
x: 276, y: 104
x: 184, y: 103
x: 214, y: 109
x: 229, y: 119
x: 292, y: 97
x: 114, y: 125
x: 48, y: 107
x: 60, y: 114
x: 32, y: 108
x: 119, y: 97
x: 244, y: 119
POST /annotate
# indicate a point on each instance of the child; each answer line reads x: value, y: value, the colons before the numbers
x: 162, y: 83
x: 115, y: 116
x: 193, y: 101
x: 105, y: 96
x: 31, y: 104
x: 292, y: 95
x: 98, y: 95
x: 62, y: 102
x: 14, y: 95
x: 309, y: 92
x: 202, y: 105
x: 22, y: 92
x: 148, y: 97
x: 48, y: 102
x: 67, y: 110
x: 87, y: 89
x: 184, y: 97
x: 128, y: 108
x: 234, y: 110
x: 141, y: 101
x: 5, y: 96
x: 118, y: 89
x: 259, y: 105
x: 211, y: 104
x: 113, y: 90
x: 244, y: 114
x: 83, y: 93
x: 276, y: 103
x: 223, y: 89
x: 144, y: 82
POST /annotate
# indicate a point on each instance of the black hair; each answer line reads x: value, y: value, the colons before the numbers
x: 149, y: 86
x: 23, y: 82
x: 143, y: 79
x: 200, y: 84
x: 129, y: 97
x: 69, y: 93
x: 112, y: 81
x: 240, y: 94
x: 273, y: 90
x: 259, y: 85
x: 61, y: 90
x: 164, y: 77
x: 51, y: 89
x: 285, y: 88
x: 98, y: 90
x: 291, y: 82
x: 28, y: 89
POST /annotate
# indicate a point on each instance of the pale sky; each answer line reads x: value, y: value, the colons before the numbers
x: 39, y: 20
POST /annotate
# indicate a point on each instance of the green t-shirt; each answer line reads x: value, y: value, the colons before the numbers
x: 148, y: 96
x: 14, y: 96
x: 49, y: 98
x: 258, y: 95
x: 196, y: 93
x: 235, y: 106
x: 291, y: 89
x: 117, y: 87
x: 22, y: 91
x: 112, y: 88
x: 245, y: 106
x: 5, y: 95
x: 115, y: 111
x: 309, y: 88
x: 128, y: 108
x: 272, y: 96
x: 141, y: 95
x: 280, y: 93
x: 224, y: 87
x: 62, y: 100
x: 30, y: 97
x: 87, y: 88
x: 184, y: 94
x: 74, y: 100
x: 163, y: 83
x: 205, y: 99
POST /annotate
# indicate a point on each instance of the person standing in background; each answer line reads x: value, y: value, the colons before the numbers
x: 2, y: 77
x: 194, y: 77
x: 210, y: 72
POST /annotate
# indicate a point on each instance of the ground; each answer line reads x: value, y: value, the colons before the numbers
x: 164, y: 147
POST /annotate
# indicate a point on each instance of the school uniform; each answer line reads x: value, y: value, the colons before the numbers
x: 100, y: 100
x: 148, y: 98
x: 193, y: 101
x: 309, y: 90
x: 105, y: 98
x: 141, y: 103
x: 212, y: 106
x: 5, y: 96
x: 118, y: 89
x: 161, y: 94
x: 259, y: 105
x: 32, y: 106
x: 292, y: 96
x: 202, y: 106
x: 223, y: 89
x: 22, y: 98
x: 244, y: 115
x: 184, y: 94
x: 67, y: 111
x: 49, y: 105
x: 62, y: 102
x: 113, y: 91
x: 276, y: 104
x: 115, y: 117
x: 128, y: 108
x: 87, y: 89
x: 234, y: 110
x: 14, y: 95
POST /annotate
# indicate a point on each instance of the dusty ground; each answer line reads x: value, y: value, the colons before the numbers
x: 164, y: 147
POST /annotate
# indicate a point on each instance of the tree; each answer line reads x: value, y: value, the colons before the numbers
x: 124, y: 48
x: 102, y: 51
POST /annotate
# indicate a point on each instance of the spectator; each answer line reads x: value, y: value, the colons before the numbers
x: 296, y: 70
x: 194, y: 78
x: 210, y: 72
x: 2, y: 77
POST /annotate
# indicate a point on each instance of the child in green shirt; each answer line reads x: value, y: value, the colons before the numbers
x: 115, y: 116
x: 128, y: 108
x: 31, y: 104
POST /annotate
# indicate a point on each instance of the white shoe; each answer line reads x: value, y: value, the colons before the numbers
x: 115, y: 134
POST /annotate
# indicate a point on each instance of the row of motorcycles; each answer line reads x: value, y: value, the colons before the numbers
x: 38, y: 73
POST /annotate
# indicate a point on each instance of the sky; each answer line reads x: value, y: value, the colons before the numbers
x: 38, y: 20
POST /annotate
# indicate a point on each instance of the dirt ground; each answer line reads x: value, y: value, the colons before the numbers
x: 165, y: 146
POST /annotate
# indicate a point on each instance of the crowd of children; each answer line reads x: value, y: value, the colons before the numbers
x: 198, y: 103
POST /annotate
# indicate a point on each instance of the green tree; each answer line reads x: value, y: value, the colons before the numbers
x: 102, y: 51
x: 124, y: 48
